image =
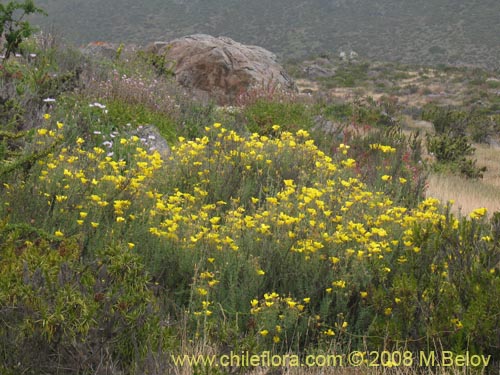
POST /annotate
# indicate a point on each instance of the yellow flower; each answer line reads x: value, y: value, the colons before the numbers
x: 46, y: 116
x: 339, y: 283
x: 363, y: 294
x: 478, y: 213
x: 58, y: 233
x: 120, y: 205
x: 334, y: 260
x: 457, y: 322
x: 271, y: 295
x: 94, y: 225
x: 275, y: 127
x: 349, y: 163
x: 344, y: 148
x: 329, y: 332
x: 131, y: 245
x: 276, y: 339
x: 42, y: 131
x: 260, y: 272
x: 272, y: 200
x: 254, y: 302
x: 264, y: 332
x: 388, y: 311
x: 61, y: 198
x: 386, y: 177
x: 214, y: 220
x: 207, y: 275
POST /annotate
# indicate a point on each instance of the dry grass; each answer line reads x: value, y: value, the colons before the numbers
x: 471, y: 194
x: 467, y: 194
x: 490, y: 158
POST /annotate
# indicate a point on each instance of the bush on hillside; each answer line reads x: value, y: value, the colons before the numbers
x: 63, y: 316
x: 13, y: 28
x: 263, y: 243
x: 450, y: 145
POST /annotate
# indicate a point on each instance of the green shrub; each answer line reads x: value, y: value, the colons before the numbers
x: 12, y: 26
x: 391, y: 162
x: 61, y: 313
x: 449, y: 148
x: 445, y: 120
x: 161, y: 65
x: 452, y: 152
x: 120, y: 113
x: 348, y: 75
x: 382, y: 112
x: 192, y: 116
x: 450, y: 145
x: 261, y: 115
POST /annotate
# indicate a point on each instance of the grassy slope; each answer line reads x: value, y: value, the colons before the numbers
x: 427, y: 32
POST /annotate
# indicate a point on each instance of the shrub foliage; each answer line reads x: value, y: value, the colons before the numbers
x: 12, y: 26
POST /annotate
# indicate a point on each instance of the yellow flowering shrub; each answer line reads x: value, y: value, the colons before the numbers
x: 268, y: 231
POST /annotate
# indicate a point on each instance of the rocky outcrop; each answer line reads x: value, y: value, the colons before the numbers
x: 100, y: 49
x: 319, y: 68
x: 152, y: 139
x: 220, y: 67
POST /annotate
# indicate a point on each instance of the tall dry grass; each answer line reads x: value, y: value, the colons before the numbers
x: 470, y: 194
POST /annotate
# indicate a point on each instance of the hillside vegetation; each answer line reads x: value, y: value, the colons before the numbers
x: 424, y: 32
x: 290, y: 224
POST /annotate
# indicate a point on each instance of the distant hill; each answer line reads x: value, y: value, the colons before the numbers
x: 456, y: 32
